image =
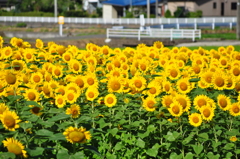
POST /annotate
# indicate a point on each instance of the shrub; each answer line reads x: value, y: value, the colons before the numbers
x: 168, y: 14
x: 73, y: 13
x: 21, y: 25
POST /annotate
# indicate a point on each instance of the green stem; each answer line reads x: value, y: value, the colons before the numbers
x: 93, y: 122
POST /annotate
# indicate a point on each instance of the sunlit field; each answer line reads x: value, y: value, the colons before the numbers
x: 110, y: 103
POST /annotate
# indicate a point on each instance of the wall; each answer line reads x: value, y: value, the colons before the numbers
x: 109, y: 12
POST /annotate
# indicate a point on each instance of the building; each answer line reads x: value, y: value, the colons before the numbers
x: 209, y: 8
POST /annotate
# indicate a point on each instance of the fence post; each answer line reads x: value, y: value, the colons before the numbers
x: 213, y: 26
x: 139, y: 32
x: 193, y: 39
x: 107, y: 33
x: 230, y: 25
x: 171, y: 35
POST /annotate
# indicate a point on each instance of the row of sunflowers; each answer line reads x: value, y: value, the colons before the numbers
x: 150, y: 101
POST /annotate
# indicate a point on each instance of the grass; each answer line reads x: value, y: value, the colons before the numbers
x: 230, y: 36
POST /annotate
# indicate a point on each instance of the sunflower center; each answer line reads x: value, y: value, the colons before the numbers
x: 173, y: 73
x: 116, y: 73
x: 36, y: 110
x: 9, y: 121
x: 17, y: 67
x: 138, y: 83
x: 31, y: 96
x: 175, y: 109
x: 76, y: 67
x: 90, y: 81
x: 90, y: 94
x: 57, y: 72
x: 74, y: 112
x: 79, y: 82
x: 206, y: 113
x: 60, y: 101
x: 105, y: 51
x: 116, y: 86
x: 183, y: 86
x: 67, y: 57
x: 28, y: 56
x: 14, y: 148
x: 150, y: 104
x: 223, y: 103
x: 236, y: 71
x: 236, y: 109
x: 152, y: 90
x: 201, y: 102
x: 167, y: 87
x: 182, y: 102
x: 117, y: 64
x: 223, y: 62
x: 143, y: 67
x: 110, y: 100
x: 219, y: 81
x: 11, y: 78
x: 208, y: 79
x: 196, y: 70
x: 36, y: 79
x: 76, y: 136
x: 195, y: 119
x: 70, y: 96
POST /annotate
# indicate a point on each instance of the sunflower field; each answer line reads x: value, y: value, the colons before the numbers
x: 109, y: 103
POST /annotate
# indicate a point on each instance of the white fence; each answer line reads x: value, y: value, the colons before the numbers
x: 120, y: 21
x: 154, y: 33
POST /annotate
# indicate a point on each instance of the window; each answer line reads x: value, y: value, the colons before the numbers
x: 214, y: 5
x: 234, y: 6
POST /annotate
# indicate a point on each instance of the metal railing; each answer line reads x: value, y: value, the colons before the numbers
x: 154, y: 33
x: 120, y: 21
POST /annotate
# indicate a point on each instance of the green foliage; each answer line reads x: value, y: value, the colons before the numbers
x: 73, y: 13
x: 179, y: 13
x: 21, y: 25
x: 129, y: 14
x: 168, y: 14
x: 197, y: 14
x: 27, y: 14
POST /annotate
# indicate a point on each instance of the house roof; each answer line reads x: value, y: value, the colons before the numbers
x: 124, y: 3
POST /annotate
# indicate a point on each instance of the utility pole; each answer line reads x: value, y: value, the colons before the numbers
x: 55, y: 8
x: 156, y: 9
x: 238, y: 20
x: 148, y: 8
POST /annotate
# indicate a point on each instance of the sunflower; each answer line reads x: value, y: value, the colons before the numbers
x: 73, y: 86
x: 79, y: 80
x: 77, y: 135
x: 29, y: 55
x: 7, y: 52
x: 167, y: 86
x: 14, y: 146
x: 173, y: 72
x: 233, y: 138
x: 235, y: 70
x: 39, y: 44
x: 231, y: 82
x: 16, y: 42
x: 47, y: 91
x: 105, y: 50
x: 207, y: 112
x: 36, y: 110
x: 175, y: 109
x: 234, y: 109
x: 200, y: 101
x: 115, y: 84
x: 149, y: 103
x: 219, y: 81
x: 76, y: 66
x: 223, y: 101
x: 154, y: 88
x: 206, y: 78
x: 1, y: 42
x: 31, y: 95
x: 10, y: 78
x: 3, y: 108
x: 10, y: 120
x: 57, y: 71
x: 167, y: 100
x: 158, y: 44
x: 138, y: 82
x: 74, y: 110
x: 67, y: 57
x: 184, y: 86
x: 91, y: 80
x: 71, y: 96
x: 195, y: 119
x: 60, y: 90
x: 18, y: 65
x: 184, y: 100
x: 91, y: 60
x: 91, y: 93
x: 60, y: 101
x: 36, y: 78
x: 110, y: 100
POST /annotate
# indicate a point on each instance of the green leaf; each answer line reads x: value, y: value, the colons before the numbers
x: 102, y: 123
x: 46, y: 124
x: 7, y: 155
x: 229, y: 146
x: 194, y: 80
x: 13, y: 97
x: 113, y: 131
x: 36, y: 152
x: 55, y: 110
x: 32, y: 103
x: 61, y: 116
x: 151, y: 128
x: 174, y: 155
x: 188, y: 139
x: 189, y: 155
x: 210, y: 155
x: 58, y: 136
x: 93, y: 149
x: 172, y: 136
x: 78, y: 155
x: 204, y: 136
x: 154, y: 150
x: 118, y: 146
x: 44, y: 132
x: 140, y: 143
x: 25, y: 125
x: 233, y: 132
x: 229, y: 155
x: 33, y: 118
x: 237, y: 151
x: 197, y: 148
x: 63, y: 154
